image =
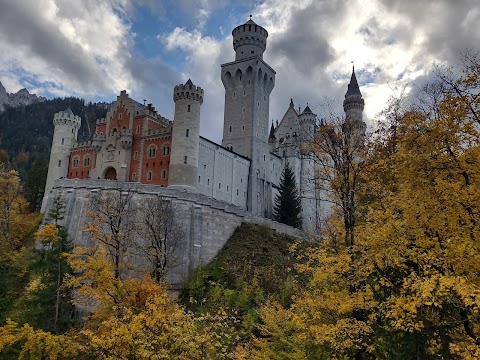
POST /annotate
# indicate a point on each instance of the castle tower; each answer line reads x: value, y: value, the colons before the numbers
x: 248, y: 82
x: 185, y: 137
x: 66, y: 126
x: 307, y: 172
x: 353, y: 105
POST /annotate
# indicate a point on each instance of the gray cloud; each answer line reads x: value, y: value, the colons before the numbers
x: 21, y: 27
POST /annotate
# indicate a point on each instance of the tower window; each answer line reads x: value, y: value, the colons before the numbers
x: 234, y: 94
x: 166, y: 150
x: 149, y: 176
x: 152, y: 152
x: 138, y: 129
x: 72, y: 131
x: 244, y: 110
x: 244, y: 93
x: 230, y: 128
x: 185, y: 160
x: 243, y: 127
x: 199, y: 178
x: 219, y: 185
x: 63, y: 141
x: 120, y: 116
x: 75, y: 162
x: 59, y: 163
x: 86, y: 161
x: 164, y: 174
x: 187, y: 132
x: 208, y: 181
x: 135, y: 155
x: 237, y: 192
x: 188, y: 109
x: 134, y: 177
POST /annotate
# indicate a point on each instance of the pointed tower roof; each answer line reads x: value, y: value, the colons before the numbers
x: 250, y: 22
x: 272, y: 132
x: 291, y: 103
x: 69, y: 111
x: 353, y: 88
x: 307, y: 110
x: 189, y: 82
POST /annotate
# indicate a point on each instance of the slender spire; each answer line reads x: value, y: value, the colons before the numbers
x: 272, y: 132
x: 353, y: 88
x: 291, y: 103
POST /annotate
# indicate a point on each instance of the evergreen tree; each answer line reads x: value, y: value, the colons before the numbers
x: 287, y: 203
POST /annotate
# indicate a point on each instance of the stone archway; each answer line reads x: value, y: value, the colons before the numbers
x: 110, y: 174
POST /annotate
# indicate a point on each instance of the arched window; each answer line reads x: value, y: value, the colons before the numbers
x: 152, y: 150
x: 166, y: 150
x: 86, y: 160
x: 75, y: 161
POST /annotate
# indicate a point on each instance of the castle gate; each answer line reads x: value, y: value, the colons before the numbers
x: 110, y: 174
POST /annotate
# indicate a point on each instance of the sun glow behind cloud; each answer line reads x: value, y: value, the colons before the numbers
x: 90, y: 49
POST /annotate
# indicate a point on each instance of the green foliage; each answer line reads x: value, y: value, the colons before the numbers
x: 256, y: 264
x: 26, y: 135
x: 288, y: 205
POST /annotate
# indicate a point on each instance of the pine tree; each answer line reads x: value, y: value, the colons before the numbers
x: 288, y: 205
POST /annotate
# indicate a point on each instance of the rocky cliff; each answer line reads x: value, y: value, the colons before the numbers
x: 20, y: 98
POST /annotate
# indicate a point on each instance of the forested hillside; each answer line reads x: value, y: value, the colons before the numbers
x: 26, y: 137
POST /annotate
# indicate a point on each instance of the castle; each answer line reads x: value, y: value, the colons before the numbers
x: 135, y: 144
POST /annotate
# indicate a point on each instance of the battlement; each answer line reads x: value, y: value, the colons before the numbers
x: 101, y: 121
x: 249, y: 40
x: 99, y: 137
x: 82, y: 145
x: 156, y: 132
x: 188, y: 91
x: 67, y: 118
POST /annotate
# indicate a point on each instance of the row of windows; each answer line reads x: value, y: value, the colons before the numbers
x: 150, y: 175
x: 219, y: 185
x: 76, y: 159
x: 152, y: 151
x: 230, y: 128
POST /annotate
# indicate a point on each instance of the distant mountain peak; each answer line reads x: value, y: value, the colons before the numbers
x: 20, y: 98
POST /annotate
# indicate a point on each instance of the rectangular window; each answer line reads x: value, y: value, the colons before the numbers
x: 185, y: 160
x: 135, y: 155
x: 138, y: 129
x: 187, y: 132
x: 166, y: 150
x: 188, y: 109
x: 59, y: 163
x: 63, y: 141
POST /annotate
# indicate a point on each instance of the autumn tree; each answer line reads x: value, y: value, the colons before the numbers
x: 160, y: 230
x: 338, y: 149
x: 288, y: 206
x: 111, y: 223
x: 413, y: 270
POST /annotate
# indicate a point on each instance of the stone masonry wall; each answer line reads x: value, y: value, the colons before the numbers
x: 208, y: 223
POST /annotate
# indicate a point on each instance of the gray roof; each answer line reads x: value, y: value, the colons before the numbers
x: 353, y: 88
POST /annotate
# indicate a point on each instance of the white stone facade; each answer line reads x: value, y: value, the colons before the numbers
x: 135, y: 144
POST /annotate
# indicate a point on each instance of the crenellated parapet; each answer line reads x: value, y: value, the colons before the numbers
x: 82, y: 145
x: 97, y: 142
x: 67, y: 118
x: 249, y: 40
x: 188, y: 91
x: 126, y: 138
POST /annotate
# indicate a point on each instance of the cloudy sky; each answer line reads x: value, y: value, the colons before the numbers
x: 95, y: 48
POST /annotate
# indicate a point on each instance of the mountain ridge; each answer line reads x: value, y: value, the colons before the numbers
x: 21, y: 98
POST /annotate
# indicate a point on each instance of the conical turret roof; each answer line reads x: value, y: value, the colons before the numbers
x: 307, y: 110
x: 353, y: 88
x: 69, y: 111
